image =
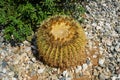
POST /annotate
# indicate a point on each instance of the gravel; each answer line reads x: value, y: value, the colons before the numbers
x: 101, y: 25
x: 105, y: 23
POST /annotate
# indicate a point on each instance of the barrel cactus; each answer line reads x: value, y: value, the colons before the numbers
x: 61, y: 42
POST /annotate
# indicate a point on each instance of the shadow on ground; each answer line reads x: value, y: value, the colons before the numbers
x: 34, y: 49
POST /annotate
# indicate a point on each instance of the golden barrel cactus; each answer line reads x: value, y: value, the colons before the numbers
x: 61, y: 42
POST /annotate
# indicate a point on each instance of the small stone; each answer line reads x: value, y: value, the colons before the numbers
x: 98, y: 27
x: 99, y: 69
x: 11, y: 73
x: 88, y: 61
x: 119, y: 75
x: 15, y: 49
x: 4, y: 64
x: 30, y: 62
x: 16, y: 62
x: 78, y: 69
x: 53, y: 77
x: 33, y: 47
x: 77, y: 75
x: 85, y: 66
x: 54, y: 71
x: 101, y: 23
x: 94, y: 24
x: 95, y: 73
x: 102, y: 76
x: 118, y: 29
x: 111, y: 67
x: 114, y: 34
x: 5, y: 78
x: 1, y: 38
x: 111, y: 58
x: 101, y: 50
x: 4, y: 70
x: 101, y: 61
x: 3, y: 54
x: 90, y: 64
x: 14, y: 78
x: 28, y: 49
x: 65, y: 73
x: 33, y: 59
x: 26, y: 43
x: 114, y: 78
x: 112, y: 49
x: 33, y: 73
x: 118, y: 59
x: 27, y: 67
x: 2, y: 75
x: 104, y: 4
x: 41, y: 70
x: 94, y: 56
x: 68, y: 78
x: 63, y: 78
x: 109, y: 43
x: 117, y: 48
x: 15, y: 75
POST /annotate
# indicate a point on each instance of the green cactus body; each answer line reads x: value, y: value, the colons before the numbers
x: 61, y: 42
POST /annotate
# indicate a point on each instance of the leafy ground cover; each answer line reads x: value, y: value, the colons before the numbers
x: 21, y: 18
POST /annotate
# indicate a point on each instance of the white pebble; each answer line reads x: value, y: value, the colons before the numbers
x: 5, y: 78
x: 101, y: 61
x: 118, y: 59
x: 16, y: 62
x: 85, y: 66
x: 27, y: 67
x: 27, y: 49
x: 104, y: 4
x: 119, y: 75
x: 68, y: 78
x: 115, y: 78
x: 94, y: 24
x: 33, y: 59
x: 78, y: 69
x: 100, y: 24
x: 11, y: 73
x: 26, y: 42
x: 98, y: 27
x: 65, y: 73
x: 108, y: 42
x: 101, y: 50
x: 3, y: 54
x: 4, y: 70
x: 117, y: 48
x: 14, y: 79
x: 94, y: 56
x: 41, y: 70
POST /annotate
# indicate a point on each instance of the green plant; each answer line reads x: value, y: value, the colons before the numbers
x: 11, y: 19
x: 20, y: 18
x: 61, y: 42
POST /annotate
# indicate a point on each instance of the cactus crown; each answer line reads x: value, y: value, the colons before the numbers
x: 61, y: 42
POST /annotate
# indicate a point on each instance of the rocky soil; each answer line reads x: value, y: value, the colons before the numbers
x: 102, y: 27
